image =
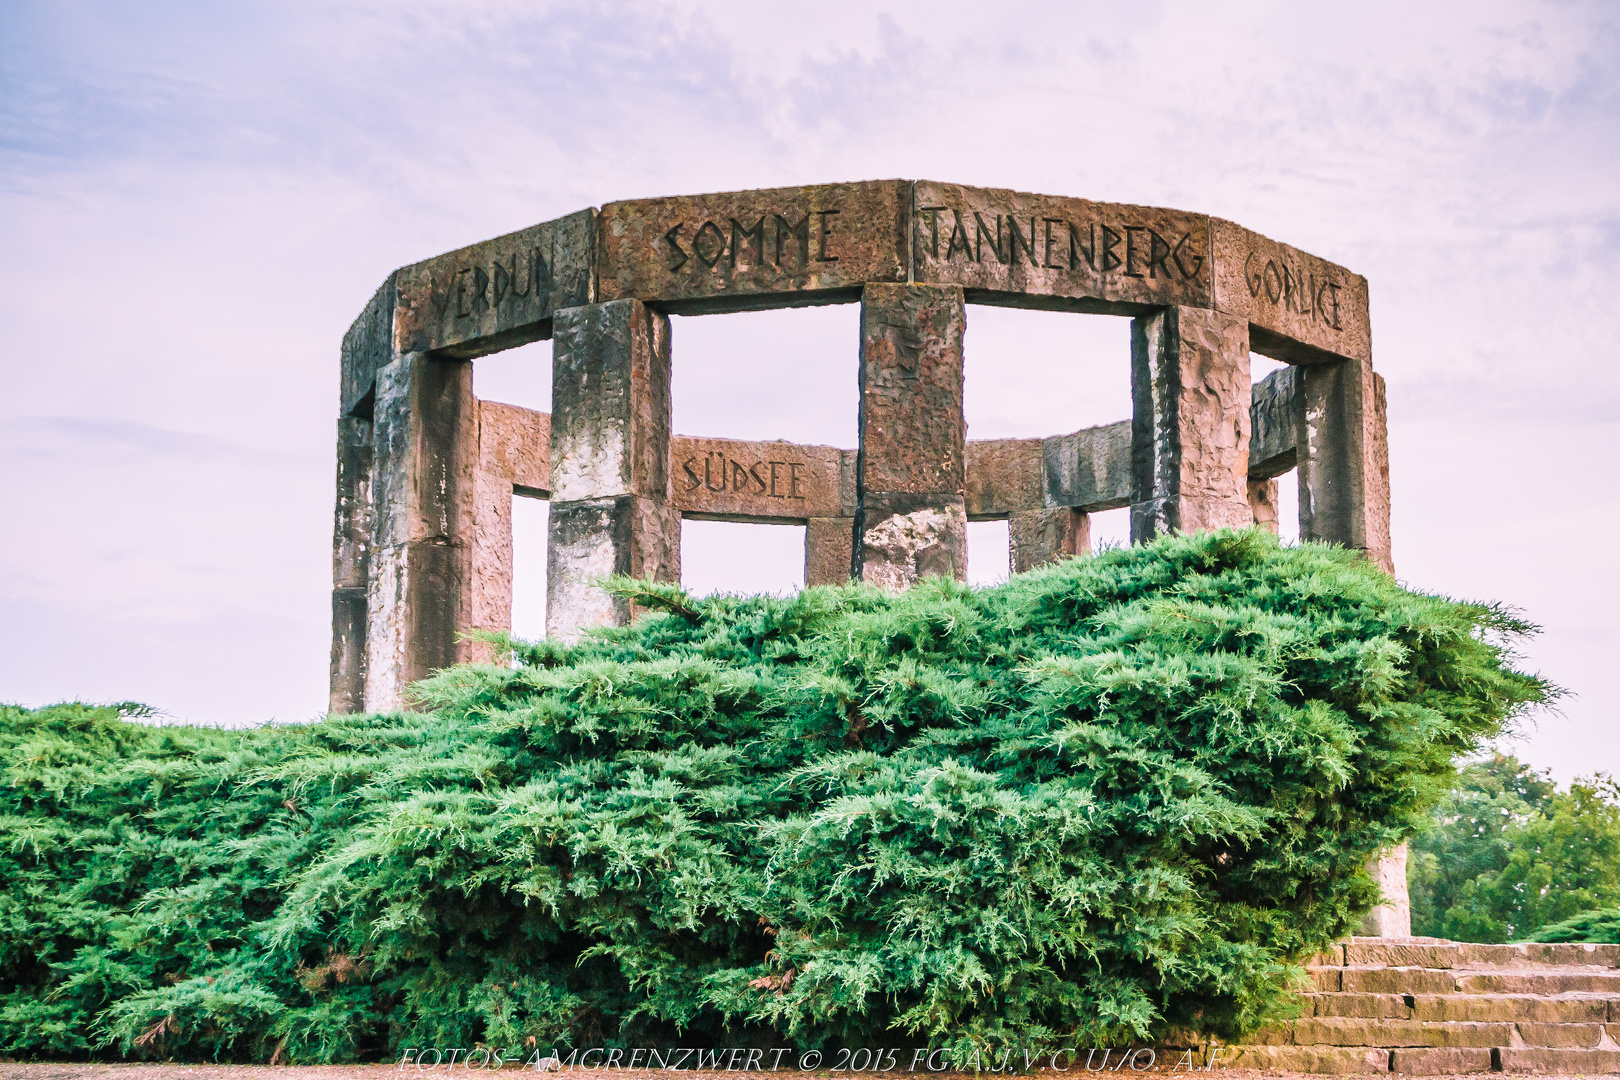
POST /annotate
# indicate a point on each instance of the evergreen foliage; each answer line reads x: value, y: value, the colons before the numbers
x: 1110, y: 797
x: 1601, y: 926
x: 1507, y: 852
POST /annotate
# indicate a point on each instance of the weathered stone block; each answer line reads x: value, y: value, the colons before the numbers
x: 1467, y: 1033
x: 1327, y: 979
x: 1576, y: 1035
x: 1402, y: 954
x: 1025, y: 250
x: 1332, y: 956
x: 1090, y: 468
x: 1263, y: 498
x: 1353, y: 1031
x: 1440, y: 1062
x: 368, y: 346
x: 630, y: 536
x: 743, y: 250
x: 1363, y: 1006
x: 910, y: 536
x: 1301, y: 307
x: 1333, y: 1060
x: 489, y: 583
x: 1393, y: 917
x: 1190, y: 393
x: 347, y: 685
x: 1395, y: 980
x: 1276, y: 410
x: 913, y: 433
x: 351, y: 556
x: 1344, y: 462
x: 1509, y: 1008
x: 1038, y: 537
x: 1004, y: 476
x: 610, y: 402
x: 425, y: 453
x: 515, y: 443
x: 1535, y: 1059
x: 737, y: 480
x: 1540, y: 982
x: 1571, y: 953
x: 497, y: 294
x: 829, y: 547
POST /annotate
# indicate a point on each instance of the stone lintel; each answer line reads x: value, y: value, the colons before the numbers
x: 498, y: 293
x: 741, y: 480
x: 1038, y: 537
x: 745, y: 250
x: 1191, y: 397
x: 631, y: 536
x: 828, y: 550
x: 1025, y: 250
x: 610, y: 402
x: 368, y: 346
x: 1003, y: 477
x: 1301, y: 309
x: 515, y: 443
x: 1275, y: 413
x: 1090, y: 468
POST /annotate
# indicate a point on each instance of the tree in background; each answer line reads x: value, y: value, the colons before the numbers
x: 1509, y: 853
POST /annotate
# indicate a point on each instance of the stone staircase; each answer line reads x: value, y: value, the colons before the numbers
x: 1425, y: 1006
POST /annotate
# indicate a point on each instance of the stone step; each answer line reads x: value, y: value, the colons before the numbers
x: 1455, y: 1034
x: 1539, y: 980
x: 1437, y: 953
x: 1421, y: 1061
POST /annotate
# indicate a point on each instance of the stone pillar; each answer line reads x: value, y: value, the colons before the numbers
x: 491, y: 562
x: 351, y: 553
x: 1393, y: 918
x: 1190, y: 396
x: 910, y: 516
x: 610, y: 432
x: 425, y: 453
x: 1343, y: 455
x: 828, y: 550
x: 1263, y: 504
x: 1039, y: 537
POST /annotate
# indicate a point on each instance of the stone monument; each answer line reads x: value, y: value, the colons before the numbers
x: 427, y: 472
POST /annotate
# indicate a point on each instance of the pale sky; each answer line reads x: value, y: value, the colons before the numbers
x: 197, y: 199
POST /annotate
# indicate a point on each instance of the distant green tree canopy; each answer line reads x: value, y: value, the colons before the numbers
x: 1507, y: 853
x: 1113, y: 796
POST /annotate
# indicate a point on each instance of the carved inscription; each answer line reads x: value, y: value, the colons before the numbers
x: 746, y: 247
x: 740, y: 250
x: 1056, y: 243
x: 1293, y: 288
x: 471, y: 291
x: 1036, y: 249
x: 716, y: 472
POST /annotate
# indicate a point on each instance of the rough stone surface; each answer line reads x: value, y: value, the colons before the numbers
x: 497, y: 294
x: 1536, y: 1059
x: 425, y: 452
x: 1263, y: 498
x: 1402, y: 953
x: 1567, y: 1035
x: 1398, y: 980
x: 743, y: 250
x: 1301, y: 307
x: 1541, y: 982
x: 1004, y: 476
x: 1190, y: 425
x: 1440, y: 1062
x: 489, y: 585
x: 1276, y: 411
x: 1363, y: 1006
x: 515, y: 443
x: 1392, y: 918
x: 368, y: 346
x: 913, y: 434
x: 1038, y: 537
x: 351, y: 554
x: 1089, y: 469
x: 1519, y: 1007
x: 1329, y: 980
x: 1308, y: 1059
x: 631, y: 536
x: 1025, y: 250
x: 1355, y: 1031
x: 1343, y: 466
x: 828, y: 550
x: 906, y: 537
x: 737, y: 480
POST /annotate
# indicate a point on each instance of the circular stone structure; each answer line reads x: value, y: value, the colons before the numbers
x: 427, y: 472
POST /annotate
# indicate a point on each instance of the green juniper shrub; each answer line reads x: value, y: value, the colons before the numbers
x: 1601, y: 926
x: 1112, y: 798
